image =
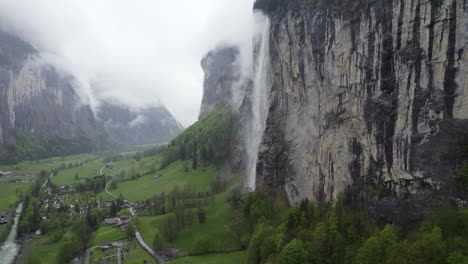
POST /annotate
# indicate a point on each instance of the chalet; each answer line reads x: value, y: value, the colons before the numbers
x: 3, y: 218
x: 124, y: 217
x: 124, y: 226
x: 105, y: 245
x: 110, y: 167
x: 168, y: 253
x: 110, y: 221
x: 106, y: 204
x: 140, y: 206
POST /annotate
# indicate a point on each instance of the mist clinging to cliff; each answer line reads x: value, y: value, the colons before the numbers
x: 138, y: 52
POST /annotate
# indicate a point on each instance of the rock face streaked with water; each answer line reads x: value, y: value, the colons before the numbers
x: 372, y: 92
x: 38, y: 100
x: 364, y: 95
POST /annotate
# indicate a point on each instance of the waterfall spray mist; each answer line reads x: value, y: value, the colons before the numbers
x: 260, y: 102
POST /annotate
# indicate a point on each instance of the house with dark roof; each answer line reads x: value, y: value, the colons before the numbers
x: 105, y: 245
x: 168, y: 253
x: 110, y: 167
x: 110, y: 221
x: 124, y: 217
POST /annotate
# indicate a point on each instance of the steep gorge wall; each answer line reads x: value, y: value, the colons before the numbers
x: 375, y: 93
x: 38, y: 100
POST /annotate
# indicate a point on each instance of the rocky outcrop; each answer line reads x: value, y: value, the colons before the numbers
x: 150, y: 126
x: 373, y: 93
x: 38, y: 100
x: 221, y: 73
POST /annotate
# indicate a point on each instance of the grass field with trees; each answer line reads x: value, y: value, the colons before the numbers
x: 11, y: 194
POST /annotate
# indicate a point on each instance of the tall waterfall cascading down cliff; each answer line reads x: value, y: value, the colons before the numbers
x: 367, y: 101
x: 260, y: 103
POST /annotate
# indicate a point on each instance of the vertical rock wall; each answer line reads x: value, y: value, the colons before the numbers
x: 375, y: 92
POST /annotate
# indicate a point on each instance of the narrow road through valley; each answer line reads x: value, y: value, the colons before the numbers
x: 138, y: 236
x: 140, y: 240
x: 48, y: 179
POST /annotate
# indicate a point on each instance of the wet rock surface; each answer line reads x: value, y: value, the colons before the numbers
x: 374, y: 94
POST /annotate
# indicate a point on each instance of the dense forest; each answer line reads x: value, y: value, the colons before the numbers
x: 310, y: 233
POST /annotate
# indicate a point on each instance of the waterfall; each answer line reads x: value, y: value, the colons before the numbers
x: 259, y: 101
x: 10, y: 249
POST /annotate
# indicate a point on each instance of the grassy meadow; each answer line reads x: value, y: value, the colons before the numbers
x: 107, y: 234
x: 68, y: 176
x: 9, y: 194
x: 176, y: 174
x: 226, y: 258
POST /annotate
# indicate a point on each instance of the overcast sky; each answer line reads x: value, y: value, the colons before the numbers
x: 139, y: 51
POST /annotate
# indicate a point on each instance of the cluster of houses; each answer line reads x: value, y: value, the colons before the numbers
x: 120, y: 222
x: 16, y: 180
x: 66, y: 189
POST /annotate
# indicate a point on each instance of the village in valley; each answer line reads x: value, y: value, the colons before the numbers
x: 58, y: 202
x: 122, y: 207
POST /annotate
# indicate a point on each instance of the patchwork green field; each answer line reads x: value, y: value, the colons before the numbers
x: 107, y: 234
x: 149, y: 226
x: 69, y: 176
x: 177, y: 174
x: 46, y: 250
x: 214, y: 230
x: 9, y: 193
x: 31, y: 167
x: 227, y: 258
x: 135, y: 254
x: 150, y: 183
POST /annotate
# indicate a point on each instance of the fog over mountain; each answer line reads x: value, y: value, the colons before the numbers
x: 143, y: 53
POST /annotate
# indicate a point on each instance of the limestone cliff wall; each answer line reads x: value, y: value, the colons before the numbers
x: 38, y: 100
x: 221, y: 73
x: 374, y: 92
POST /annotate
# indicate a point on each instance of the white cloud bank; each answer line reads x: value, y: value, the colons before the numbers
x: 140, y: 52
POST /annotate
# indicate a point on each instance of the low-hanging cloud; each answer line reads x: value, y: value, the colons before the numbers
x: 142, y: 53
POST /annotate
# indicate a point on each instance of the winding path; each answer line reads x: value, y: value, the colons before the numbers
x: 138, y: 236
x: 140, y: 240
x: 48, y: 179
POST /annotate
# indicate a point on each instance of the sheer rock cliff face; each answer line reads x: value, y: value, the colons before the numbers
x: 221, y: 73
x: 38, y: 100
x: 375, y: 94
x: 224, y: 85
